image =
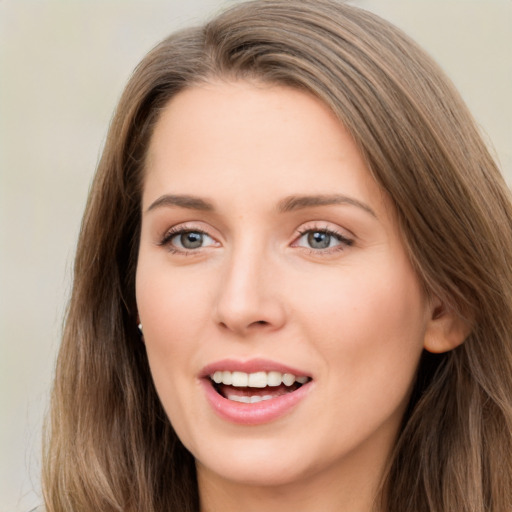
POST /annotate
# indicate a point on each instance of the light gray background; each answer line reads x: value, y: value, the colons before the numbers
x: 63, y: 65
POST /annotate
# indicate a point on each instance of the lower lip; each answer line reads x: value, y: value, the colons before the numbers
x: 257, y: 413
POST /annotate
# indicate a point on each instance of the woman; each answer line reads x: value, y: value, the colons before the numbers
x: 293, y: 287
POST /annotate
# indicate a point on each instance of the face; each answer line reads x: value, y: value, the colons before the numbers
x: 280, y: 312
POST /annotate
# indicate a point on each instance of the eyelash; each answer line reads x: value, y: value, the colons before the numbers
x: 344, y: 242
x: 174, y: 232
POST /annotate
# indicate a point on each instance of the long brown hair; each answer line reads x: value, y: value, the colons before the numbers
x: 110, y: 445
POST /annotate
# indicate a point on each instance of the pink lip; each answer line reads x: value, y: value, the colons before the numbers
x: 259, y: 412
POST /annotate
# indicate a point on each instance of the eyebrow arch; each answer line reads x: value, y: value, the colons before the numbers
x: 287, y: 204
x: 182, y: 201
x: 292, y: 203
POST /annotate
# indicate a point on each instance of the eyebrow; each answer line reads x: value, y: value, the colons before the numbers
x: 182, y: 201
x: 293, y: 203
x: 288, y: 204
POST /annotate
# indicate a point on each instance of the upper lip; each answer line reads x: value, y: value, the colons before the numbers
x: 250, y: 366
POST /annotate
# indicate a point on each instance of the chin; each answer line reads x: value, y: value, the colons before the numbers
x: 256, y: 463
x: 270, y: 473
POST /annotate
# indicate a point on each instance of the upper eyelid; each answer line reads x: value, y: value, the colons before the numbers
x: 339, y: 236
x: 324, y: 226
x: 188, y: 226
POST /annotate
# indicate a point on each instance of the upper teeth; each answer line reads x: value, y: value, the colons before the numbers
x: 256, y: 380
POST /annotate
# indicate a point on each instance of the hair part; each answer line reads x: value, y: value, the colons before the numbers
x: 111, y: 446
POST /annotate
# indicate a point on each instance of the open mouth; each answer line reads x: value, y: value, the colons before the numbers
x: 255, y: 387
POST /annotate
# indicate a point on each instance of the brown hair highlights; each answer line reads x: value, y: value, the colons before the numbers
x: 111, y: 447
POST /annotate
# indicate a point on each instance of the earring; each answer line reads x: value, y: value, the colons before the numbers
x: 139, y: 326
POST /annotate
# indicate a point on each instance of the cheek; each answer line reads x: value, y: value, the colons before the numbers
x: 172, y: 310
x: 171, y: 303
x: 371, y: 322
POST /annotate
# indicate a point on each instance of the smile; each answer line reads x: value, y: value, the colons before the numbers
x: 255, y: 387
x: 254, y: 392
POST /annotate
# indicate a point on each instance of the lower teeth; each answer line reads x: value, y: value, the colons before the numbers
x: 233, y: 394
x: 249, y: 399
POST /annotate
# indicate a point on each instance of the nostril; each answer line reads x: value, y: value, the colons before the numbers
x: 252, y: 325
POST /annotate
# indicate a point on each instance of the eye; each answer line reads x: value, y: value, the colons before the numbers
x: 322, y: 239
x: 183, y: 240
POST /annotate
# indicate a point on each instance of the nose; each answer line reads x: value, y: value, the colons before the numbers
x: 249, y: 299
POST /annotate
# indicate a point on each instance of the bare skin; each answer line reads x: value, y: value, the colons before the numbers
x: 264, y: 237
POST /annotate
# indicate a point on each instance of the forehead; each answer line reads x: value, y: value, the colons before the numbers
x: 236, y: 119
x: 249, y: 112
x: 227, y: 137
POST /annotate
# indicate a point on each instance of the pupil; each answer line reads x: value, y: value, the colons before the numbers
x: 319, y: 240
x: 191, y: 240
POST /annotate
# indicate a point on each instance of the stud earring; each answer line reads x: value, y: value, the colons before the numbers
x: 139, y: 326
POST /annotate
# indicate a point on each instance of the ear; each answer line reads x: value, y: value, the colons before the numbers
x: 446, y: 329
